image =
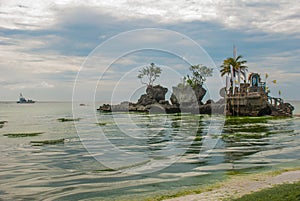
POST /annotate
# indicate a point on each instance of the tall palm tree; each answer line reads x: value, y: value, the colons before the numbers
x: 236, y: 63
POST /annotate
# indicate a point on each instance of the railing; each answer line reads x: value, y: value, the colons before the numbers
x: 276, y: 102
x: 245, y: 91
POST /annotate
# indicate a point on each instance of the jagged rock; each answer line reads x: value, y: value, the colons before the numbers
x: 222, y: 92
x: 205, y: 109
x: 186, y: 94
x: 157, y: 92
x: 265, y: 111
x: 173, y: 99
x: 209, y: 101
x: 284, y: 109
x: 105, y: 108
x: 171, y: 109
x: 187, y: 100
x: 218, y: 109
x: 221, y: 101
x: 141, y: 108
x: 145, y: 100
x: 164, y: 102
x: 124, y: 106
x: 156, y: 109
x: 288, y: 107
x: 153, y: 95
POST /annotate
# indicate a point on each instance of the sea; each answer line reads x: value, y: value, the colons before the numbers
x: 68, y: 151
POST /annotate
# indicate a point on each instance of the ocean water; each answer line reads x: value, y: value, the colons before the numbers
x: 296, y: 104
x: 88, y: 165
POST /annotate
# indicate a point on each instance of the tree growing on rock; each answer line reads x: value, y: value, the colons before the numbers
x: 199, y: 75
x: 149, y: 74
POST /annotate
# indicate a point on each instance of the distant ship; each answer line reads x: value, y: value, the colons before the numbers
x: 23, y: 100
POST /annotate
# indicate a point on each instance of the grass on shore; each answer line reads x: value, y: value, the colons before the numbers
x: 184, y: 192
x: 222, y: 183
x: 283, y: 192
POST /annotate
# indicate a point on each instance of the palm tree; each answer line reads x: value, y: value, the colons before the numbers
x: 236, y: 63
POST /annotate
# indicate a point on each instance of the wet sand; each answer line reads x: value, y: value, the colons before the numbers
x: 242, y: 185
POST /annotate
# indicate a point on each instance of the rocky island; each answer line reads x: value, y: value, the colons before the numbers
x: 181, y: 101
x: 250, y: 98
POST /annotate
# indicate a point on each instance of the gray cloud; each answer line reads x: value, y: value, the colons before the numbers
x: 269, y: 16
x: 49, y: 41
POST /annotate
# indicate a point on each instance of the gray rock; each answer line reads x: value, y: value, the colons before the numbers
x: 157, y: 92
x: 187, y: 95
x: 153, y: 95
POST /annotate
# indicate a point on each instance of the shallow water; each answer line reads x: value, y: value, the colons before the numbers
x: 67, y: 171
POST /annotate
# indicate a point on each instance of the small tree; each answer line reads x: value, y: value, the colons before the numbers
x: 150, y: 72
x: 199, y: 75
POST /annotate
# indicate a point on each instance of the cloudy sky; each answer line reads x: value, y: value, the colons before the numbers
x: 43, y: 44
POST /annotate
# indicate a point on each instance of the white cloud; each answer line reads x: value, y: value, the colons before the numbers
x: 270, y: 16
x: 26, y: 14
x: 16, y: 56
x: 29, y: 56
x: 29, y: 85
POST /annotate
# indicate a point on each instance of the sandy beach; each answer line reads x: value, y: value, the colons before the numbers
x: 242, y: 185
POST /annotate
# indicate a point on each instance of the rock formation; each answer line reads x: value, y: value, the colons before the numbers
x: 154, y: 94
x: 183, y: 99
x: 186, y: 95
x: 153, y: 101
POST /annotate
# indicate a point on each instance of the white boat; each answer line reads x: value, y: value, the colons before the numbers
x: 24, y: 100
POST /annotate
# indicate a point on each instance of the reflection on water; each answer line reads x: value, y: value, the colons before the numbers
x: 252, y: 142
x: 66, y: 171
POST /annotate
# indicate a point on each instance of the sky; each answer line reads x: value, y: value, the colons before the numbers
x: 45, y: 46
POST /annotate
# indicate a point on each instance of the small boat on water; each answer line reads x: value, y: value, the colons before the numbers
x: 24, y: 100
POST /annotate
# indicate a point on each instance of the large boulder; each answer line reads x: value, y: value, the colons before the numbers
x: 157, y: 92
x: 154, y: 94
x: 145, y: 100
x: 187, y: 95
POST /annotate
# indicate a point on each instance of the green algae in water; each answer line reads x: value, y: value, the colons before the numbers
x: 101, y: 124
x: 47, y: 142
x: 67, y: 119
x: 18, y: 135
x: 2, y: 123
x: 239, y: 136
x: 252, y: 120
x: 104, y: 170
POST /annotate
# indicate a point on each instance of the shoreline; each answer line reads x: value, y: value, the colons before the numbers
x: 240, y: 185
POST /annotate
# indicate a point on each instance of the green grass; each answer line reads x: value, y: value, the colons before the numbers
x: 283, y: 192
x: 47, y: 142
x: 175, y: 195
x: 290, y: 189
x: 181, y: 193
x: 67, y: 119
x: 17, y: 135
